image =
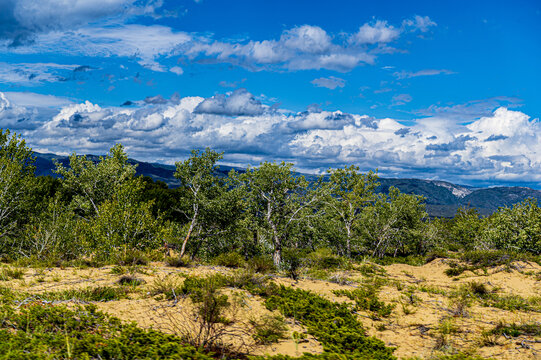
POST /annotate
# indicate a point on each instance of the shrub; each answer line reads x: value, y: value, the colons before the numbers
x: 260, y: 264
x: 168, y: 286
x: 332, y: 324
x: 55, y: 332
x: 268, y: 329
x: 515, y: 330
x: 324, y: 259
x: 177, y: 261
x: 130, y: 280
x: 131, y: 257
x: 230, y: 259
x: 292, y: 261
x: 366, y: 298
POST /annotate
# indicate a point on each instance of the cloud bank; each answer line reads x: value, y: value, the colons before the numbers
x: 502, y: 146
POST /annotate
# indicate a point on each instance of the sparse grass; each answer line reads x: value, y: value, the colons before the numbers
x: 168, y: 287
x: 9, y: 273
x: 515, y: 330
x: 100, y: 293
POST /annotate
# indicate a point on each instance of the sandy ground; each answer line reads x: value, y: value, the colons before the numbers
x: 414, y: 327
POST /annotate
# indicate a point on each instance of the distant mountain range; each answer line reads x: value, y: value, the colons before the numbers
x: 442, y: 198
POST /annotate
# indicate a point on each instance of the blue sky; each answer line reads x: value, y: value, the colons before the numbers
x: 431, y: 89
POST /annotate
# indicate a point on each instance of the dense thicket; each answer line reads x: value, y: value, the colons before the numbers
x: 101, y: 211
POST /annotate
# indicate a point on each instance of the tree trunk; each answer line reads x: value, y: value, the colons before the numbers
x: 192, y: 225
x: 277, y: 256
x: 348, y: 242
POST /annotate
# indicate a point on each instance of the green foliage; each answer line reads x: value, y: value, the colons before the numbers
x: 52, y: 332
x: 394, y: 225
x: 169, y: 287
x: 229, y: 259
x: 91, y: 182
x: 8, y: 273
x: 466, y: 228
x: 260, y: 264
x: 516, y: 330
x: 332, y: 324
x: 276, y: 199
x: 53, y: 233
x: 366, y: 298
x: 324, y: 258
x: 177, y: 261
x: 517, y: 228
x: 347, y: 193
x: 268, y: 329
x: 123, y: 223
x: 292, y: 261
x: 99, y: 293
x: 16, y: 181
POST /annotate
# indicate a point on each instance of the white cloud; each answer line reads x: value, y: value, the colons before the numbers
x: 426, y: 72
x: 88, y: 29
x: 145, y: 43
x: 378, y: 32
x: 34, y: 73
x: 401, y: 99
x: 239, y: 102
x: 177, y: 70
x: 23, y: 19
x: 503, y: 145
x: 330, y: 83
x: 421, y: 23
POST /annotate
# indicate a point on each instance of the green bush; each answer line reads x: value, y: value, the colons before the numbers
x: 177, y: 261
x: 40, y: 331
x: 324, y: 259
x: 230, y: 259
x: 268, y: 329
x: 366, y: 298
x: 332, y: 324
x: 292, y: 262
x: 260, y: 264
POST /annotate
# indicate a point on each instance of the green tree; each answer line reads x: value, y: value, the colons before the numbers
x: 466, y: 228
x: 347, y: 193
x: 16, y: 180
x: 277, y: 197
x: 517, y: 228
x: 394, y: 224
x: 198, y: 178
x: 94, y: 182
x: 124, y: 222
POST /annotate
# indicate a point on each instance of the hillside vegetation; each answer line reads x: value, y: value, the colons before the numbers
x: 331, y: 268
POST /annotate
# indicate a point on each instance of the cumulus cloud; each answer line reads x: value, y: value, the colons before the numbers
x: 502, y: 146
x: 104, y: 29
x: 330, y: 83
x: 305, y: 47
x: 378, y: 32
x: 239, y: 102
